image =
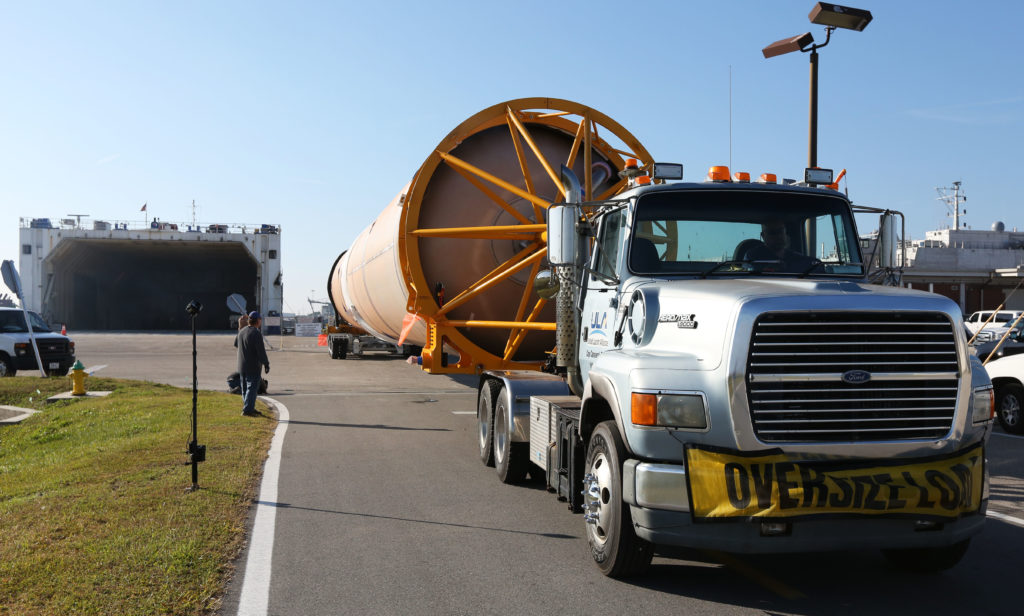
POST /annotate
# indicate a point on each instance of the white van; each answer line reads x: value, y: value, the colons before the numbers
x: 57, y: 351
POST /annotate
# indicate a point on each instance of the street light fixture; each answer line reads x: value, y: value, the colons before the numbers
x: 831, y: 16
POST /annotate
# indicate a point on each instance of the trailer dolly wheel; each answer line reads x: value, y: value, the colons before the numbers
x: 616, y: 549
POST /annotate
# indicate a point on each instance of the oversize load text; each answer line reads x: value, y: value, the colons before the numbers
x: 724, y: 485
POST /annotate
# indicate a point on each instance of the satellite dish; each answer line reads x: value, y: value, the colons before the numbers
x: 236, y: 302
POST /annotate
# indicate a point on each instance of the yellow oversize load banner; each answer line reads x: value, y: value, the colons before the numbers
x: 729, y: 485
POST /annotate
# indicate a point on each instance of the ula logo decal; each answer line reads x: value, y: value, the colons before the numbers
x: 856, y: 377
x: 598, y: 322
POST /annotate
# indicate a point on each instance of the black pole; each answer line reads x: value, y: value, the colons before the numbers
x: 812, y: 138
x: 195, y: 423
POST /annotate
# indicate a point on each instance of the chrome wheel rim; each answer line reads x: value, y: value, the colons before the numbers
x: 597, y: 493
x: 500, y: 433
x: 1011, y: 410
x: 483, y: 426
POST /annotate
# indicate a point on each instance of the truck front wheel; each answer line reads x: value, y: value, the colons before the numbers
x: 616, y: 549
x: 7, y: 366
x: 928, y: 560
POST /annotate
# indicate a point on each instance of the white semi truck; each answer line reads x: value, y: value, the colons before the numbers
x: 734, y: 382
x: 719, y: 367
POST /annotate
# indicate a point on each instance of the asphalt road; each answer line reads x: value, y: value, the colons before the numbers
x: 384, y: 508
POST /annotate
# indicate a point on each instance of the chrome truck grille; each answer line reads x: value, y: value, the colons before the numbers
x: 852, y: 376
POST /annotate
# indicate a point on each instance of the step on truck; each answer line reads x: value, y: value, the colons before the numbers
x: 715, y: 364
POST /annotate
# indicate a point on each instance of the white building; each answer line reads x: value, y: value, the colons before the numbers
x: 120, y: 276
x: 978, y: 269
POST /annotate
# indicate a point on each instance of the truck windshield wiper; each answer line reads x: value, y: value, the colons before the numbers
x: 732, y: 267
x: 813, y: 266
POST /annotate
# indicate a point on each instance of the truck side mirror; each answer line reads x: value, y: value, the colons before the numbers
x: 562, y: 218
x: 546, y: 284
x: 887, y: 242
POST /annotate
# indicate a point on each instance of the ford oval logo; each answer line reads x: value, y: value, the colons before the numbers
x: 856, y: 377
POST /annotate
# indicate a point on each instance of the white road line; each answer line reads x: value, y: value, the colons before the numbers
x: 1006, y: 435
x: 463, y: 412
x: 385, y: 393
x: 255, y: 594
x: 1005, y: 518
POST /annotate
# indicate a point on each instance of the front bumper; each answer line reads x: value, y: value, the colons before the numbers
x: 28, y: 362
x: 659, y: 501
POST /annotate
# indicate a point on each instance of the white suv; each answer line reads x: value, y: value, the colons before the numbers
x: 996, y: 327
x: 56, y: 351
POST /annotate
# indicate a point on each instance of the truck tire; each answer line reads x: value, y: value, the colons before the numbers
x: 511, y: 460
x: 616, y: 549
x: 7, y: 366
x: 339, y: 349
x: 927, y: 560
x: 485, y: 420
x: 1008, y: 407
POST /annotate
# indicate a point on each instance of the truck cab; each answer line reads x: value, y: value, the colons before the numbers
x: 744, y: 387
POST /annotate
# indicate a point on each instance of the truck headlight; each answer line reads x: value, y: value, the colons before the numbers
x: 984, y: 404
x: 669, y: 410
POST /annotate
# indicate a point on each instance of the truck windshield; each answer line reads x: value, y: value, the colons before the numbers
x: 722, y: 232
x: 13, y: 321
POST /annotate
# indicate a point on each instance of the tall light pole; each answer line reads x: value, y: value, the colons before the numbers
x: 831, y: 16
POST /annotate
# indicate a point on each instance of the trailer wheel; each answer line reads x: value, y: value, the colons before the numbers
x: 7, y: 366
x: 1009, y: 398
x: 511, y: 460
x: 485, y: 420
x: 340, y: 349
x: 616, y: 549
x: 928, y: 560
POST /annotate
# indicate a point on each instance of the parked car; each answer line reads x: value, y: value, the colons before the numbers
x: 1007, y: 376
x: 1013, y: 345
x: 995, y: 328
x: 57, y: 351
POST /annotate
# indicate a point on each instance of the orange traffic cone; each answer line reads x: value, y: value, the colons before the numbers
x: 63, y: 330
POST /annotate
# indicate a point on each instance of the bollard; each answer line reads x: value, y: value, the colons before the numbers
x: 78, y: 379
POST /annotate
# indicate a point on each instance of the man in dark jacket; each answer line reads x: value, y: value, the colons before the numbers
x: 251, y: 355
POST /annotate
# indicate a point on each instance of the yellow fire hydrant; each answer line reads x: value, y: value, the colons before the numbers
x: 78, y: 379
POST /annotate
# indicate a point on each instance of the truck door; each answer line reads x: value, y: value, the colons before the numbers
x: 598, y: 319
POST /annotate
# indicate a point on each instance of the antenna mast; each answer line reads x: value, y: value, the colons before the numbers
x: 953, y: 200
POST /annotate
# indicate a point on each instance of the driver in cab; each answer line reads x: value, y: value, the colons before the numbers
x: 774, y: 246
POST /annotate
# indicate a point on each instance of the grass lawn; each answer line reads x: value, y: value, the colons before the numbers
x: 94, y: 517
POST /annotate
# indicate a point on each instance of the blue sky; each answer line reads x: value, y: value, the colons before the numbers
x: 313, y: 115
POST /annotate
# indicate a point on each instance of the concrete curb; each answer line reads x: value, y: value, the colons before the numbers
x: 22, y: 415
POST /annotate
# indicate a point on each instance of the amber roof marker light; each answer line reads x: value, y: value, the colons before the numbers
x: 831, y: 16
